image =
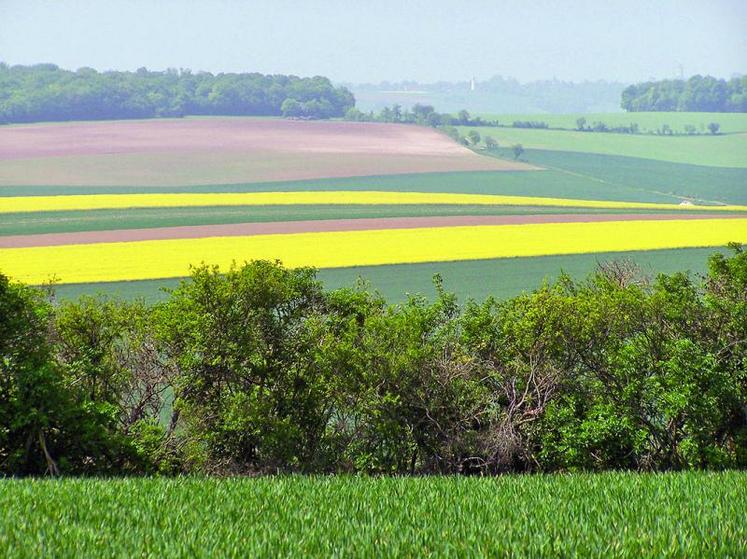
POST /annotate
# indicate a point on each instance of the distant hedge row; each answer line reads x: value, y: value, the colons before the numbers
x: 44, y: 92
x: 699, y: 93
x: 262, y: 370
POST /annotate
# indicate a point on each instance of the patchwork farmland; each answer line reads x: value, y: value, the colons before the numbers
x: 130, y: 214
x: 246, y: 311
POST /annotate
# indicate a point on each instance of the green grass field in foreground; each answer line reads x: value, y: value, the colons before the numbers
x: 725, y: 150
x: 501, y: 278
x: 603, y: 515
x: 647, y: 121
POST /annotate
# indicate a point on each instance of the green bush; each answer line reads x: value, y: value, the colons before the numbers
x: 49, y: 423
x: 261, y: 370
x: 249, y: 387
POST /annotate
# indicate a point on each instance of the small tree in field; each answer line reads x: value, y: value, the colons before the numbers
x: 518, y: 149
x: 581, y: 123
x: 490, y: 143
x: 474, y: 137
x: 714, y: 127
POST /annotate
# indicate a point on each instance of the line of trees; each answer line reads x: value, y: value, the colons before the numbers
x: 424, y: 115
x: 530, y: 124
x: 262, y: 370
x: 598, y: 126
x: 699, y: 93
x: 633, y: 128
x: 45, y: 92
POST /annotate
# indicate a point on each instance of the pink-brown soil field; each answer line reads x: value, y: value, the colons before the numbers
x: 311, y: 226
x: 224, y: 150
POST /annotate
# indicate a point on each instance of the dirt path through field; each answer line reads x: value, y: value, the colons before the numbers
x: 310, y: 226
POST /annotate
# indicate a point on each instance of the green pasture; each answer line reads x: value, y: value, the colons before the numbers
x: 724, y: 150
x: 500, y: 278
x: 726, y: 185
x: 614, y: 515
x: 646, y: 121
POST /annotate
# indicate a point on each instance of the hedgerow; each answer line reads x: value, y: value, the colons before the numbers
x: 262, y: 370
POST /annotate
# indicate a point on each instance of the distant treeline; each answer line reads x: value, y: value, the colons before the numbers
x: 633, y: 128
x: 44, y: 92
x: 262, y: 370
x: 424, y: 115
x: 699, y: 93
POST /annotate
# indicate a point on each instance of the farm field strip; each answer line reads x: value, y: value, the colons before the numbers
x: 225, y: 150
x: 636, y: 177
x: 74, y: 221
x: 172, y: 258
x: 18, y: 204
x: 479, y: 279
x: 203, y: 168
x: 225, y: 134
x: 310, y: 226
x: 543, y: 183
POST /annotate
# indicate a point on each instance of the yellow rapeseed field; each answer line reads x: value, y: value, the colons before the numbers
x: 121, y: 201
x: 172, y: 258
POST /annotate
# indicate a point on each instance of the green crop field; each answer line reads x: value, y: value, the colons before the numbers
x: 500, y: 278
x: 724, y: 150
x: 516, y: 183
x: 646, y: 121
x: 137, y: 218
x: 721, y: 184
x: 604, y: 515
x: 506, y: 277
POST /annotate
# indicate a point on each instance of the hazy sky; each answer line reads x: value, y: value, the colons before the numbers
x: 374, y: 40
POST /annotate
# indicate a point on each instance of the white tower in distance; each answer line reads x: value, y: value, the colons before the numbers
x: 472, y: 84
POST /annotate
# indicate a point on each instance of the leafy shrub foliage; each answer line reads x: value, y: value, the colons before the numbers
x: 262, y: 370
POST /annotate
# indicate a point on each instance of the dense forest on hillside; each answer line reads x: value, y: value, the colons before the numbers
x: 45, y: 92
x: 262, y: 370
x: 699, y: 94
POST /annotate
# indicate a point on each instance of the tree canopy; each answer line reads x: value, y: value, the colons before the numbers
x: 45, y: 92
x: 699, y: 93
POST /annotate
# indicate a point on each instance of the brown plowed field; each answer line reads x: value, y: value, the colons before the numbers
x: 225, y: 150
x: 280, y: 227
